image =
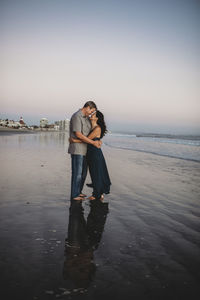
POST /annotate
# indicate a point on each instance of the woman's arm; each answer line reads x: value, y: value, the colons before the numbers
x: 73, y: 140
x: 95, y: 133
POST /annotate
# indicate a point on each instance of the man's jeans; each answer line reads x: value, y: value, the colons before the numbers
x: 79, y: 173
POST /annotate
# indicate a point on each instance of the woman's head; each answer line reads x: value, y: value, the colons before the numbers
x: 101, y: 122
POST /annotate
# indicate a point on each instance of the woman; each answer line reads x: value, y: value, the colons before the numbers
x: 95, y: 159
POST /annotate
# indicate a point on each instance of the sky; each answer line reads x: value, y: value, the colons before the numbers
x: 137, y: 59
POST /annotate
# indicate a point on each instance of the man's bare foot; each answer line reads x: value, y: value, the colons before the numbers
x: 82, y: 195
x: 79, y: 198
x: 91, y: 198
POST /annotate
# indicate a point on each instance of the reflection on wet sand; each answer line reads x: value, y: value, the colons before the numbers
x: 83, y: 238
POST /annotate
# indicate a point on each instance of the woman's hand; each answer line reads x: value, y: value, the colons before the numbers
x: 71, y: 140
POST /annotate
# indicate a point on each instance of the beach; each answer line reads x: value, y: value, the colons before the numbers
x: 145, y: 242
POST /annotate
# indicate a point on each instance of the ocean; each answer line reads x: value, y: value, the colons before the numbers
x: 185, y: 147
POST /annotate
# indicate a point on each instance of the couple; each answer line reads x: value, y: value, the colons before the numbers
x: 87, y: 127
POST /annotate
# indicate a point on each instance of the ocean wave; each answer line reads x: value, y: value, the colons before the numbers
x: 170, y: 136
x: 191, y: 140
x: 153, y: 152
x: 123, y: 134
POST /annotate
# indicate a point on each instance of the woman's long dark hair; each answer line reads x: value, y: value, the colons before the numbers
x: 101, y: 123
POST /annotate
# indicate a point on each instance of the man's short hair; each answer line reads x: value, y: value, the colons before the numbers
x: 91, y: 104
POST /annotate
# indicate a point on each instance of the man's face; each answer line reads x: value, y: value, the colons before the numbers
x: 89, y: 111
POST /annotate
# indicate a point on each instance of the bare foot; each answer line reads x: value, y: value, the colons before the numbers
x: 91, y: 198
x: 102, y: 197
x: 82, y: 195
x: 78, y: 198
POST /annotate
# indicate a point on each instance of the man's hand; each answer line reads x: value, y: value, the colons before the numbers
x: 97, y: 144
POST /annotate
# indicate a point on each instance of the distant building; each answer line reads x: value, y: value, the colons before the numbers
x: 56, y: 127
x: 3, y: 122
x: 51, y: 126
x: 22, y: 123
x: 12, y: 124
x: 44, y: 123
x: 63, y: 124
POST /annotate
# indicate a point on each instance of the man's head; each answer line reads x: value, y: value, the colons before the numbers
x: 88, y: 108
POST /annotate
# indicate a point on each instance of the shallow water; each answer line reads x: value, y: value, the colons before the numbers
x: 142, y: 243
x: 182, y: 147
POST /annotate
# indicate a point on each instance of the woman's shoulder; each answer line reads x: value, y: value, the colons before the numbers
x: 97, y: 131
x: 96, y: 128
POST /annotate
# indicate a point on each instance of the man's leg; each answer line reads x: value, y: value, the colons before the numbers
x: 84, y: 173
x: 77, y: 167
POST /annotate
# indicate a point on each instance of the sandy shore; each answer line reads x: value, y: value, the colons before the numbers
x: 145, y: 242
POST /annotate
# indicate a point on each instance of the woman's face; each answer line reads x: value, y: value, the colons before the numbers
x: 93, y: 117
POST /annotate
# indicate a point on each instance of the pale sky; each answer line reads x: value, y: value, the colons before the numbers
x: 138, y: 60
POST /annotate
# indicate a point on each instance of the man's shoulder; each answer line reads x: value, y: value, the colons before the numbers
x: 76, y: 114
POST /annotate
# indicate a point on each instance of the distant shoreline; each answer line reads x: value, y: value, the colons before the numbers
x: 7, y: 129
x: 13, y: 130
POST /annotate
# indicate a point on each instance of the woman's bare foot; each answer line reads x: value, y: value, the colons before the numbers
x: 102, y: 197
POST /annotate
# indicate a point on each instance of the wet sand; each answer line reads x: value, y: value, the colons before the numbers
x: 141, y: 243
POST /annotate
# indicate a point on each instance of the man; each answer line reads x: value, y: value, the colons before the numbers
x: 80, y: 127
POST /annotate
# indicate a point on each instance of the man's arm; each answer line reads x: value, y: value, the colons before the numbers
x: 87, y: 140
